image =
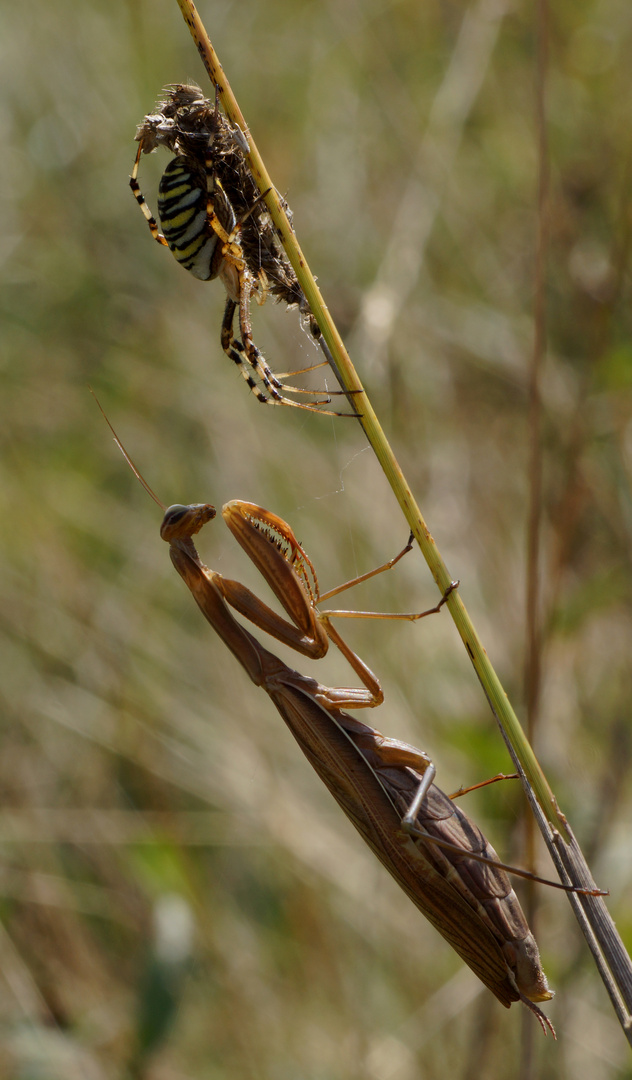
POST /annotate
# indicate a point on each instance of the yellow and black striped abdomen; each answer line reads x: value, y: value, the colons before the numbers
x: 182, y: 205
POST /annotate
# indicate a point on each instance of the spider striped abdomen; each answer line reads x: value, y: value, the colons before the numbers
x: 183, y: 206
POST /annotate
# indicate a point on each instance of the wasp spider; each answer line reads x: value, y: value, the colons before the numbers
x: 215, y: 223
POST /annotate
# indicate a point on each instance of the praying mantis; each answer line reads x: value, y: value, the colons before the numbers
x: 385, y: 787
x: 434, y: 851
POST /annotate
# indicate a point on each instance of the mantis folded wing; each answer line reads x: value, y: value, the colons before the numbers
x: 440, y: 857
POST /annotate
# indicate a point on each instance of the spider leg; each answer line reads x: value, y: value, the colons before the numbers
x: 257, y: 360
x: 140, y: 199
x: 213, y: 189
x: 236, y: 351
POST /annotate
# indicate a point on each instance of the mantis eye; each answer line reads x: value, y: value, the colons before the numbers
x: 174, y: 514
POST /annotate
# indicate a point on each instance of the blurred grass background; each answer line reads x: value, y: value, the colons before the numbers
x: 179, y: 897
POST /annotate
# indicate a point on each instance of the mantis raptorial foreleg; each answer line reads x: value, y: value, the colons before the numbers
x: 271, y: 545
